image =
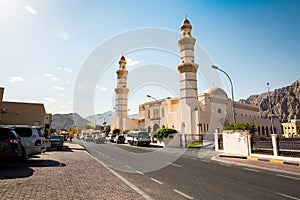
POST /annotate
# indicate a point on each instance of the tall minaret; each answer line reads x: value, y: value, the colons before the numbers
x: 121, y: 90
x: 188, y: 80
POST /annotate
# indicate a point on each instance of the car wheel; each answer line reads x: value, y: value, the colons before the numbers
x: 24, y: 155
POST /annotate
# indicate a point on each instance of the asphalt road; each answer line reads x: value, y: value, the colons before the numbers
x: 164, y: 174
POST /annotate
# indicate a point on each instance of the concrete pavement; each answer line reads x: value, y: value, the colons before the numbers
x: 68, y: 174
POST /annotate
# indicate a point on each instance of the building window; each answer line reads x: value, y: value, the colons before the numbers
x: 219, y: 111
x: 148, y: 114
x: 162, y: 112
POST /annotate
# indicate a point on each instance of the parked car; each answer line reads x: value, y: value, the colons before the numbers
x: 120, y: 139
x: 32, y: 140
x: 10, y: 144
x: 57, y: 141
x: 139, y: 138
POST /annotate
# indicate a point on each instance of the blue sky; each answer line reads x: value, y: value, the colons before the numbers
x: 44, y: 45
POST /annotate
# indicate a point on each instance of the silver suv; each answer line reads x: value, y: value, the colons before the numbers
x: 32, y: 139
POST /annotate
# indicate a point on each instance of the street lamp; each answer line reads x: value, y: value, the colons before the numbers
x: 270, y: 107
x: 233, y: 110
x: 158, y: 102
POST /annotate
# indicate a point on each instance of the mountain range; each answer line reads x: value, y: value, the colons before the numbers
x: 285, y: 102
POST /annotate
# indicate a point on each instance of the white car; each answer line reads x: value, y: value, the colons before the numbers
x: 32, y: 140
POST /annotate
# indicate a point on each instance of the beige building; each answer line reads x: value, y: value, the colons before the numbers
x: 214, y: 109
x: 18, y: 113
x: 291, y: 129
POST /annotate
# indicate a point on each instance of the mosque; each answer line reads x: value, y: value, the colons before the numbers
x: 191, y: 113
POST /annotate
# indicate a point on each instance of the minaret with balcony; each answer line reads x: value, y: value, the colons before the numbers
x: 188, y: 80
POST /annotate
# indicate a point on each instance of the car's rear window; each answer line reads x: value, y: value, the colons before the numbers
x: 7, y: 134
x: 55, y: 137
x: 23, y: 132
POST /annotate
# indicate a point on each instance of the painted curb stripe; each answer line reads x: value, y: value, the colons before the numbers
x: 252, y: 158
x: 277, y: 161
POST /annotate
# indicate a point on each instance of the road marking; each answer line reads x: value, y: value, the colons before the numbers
x: 128, y: 166
x: 107, y: 156
x: 157, y: 181
x: 225, y: 164
x: 174, y: 164
x: 113, y: 159
x: 288, y: 196
x: 183, y: 194
x: 205, y: 160
x: 249, y: 169
x: 194, y: 159
x: 141, y: 173
x: 291, y: 177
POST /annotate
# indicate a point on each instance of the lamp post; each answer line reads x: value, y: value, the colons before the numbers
x: 270, y: 107
x: 158, y: 102
x: 232, y: 96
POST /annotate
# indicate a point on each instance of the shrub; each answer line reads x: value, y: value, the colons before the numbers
x: 163, y: 132
x: 241, y: 127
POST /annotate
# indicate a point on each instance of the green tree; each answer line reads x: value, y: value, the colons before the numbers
x: 116, y: 131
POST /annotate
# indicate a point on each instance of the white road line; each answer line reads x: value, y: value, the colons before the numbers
x: 141, y: 173
x: 128, y: 166
x: 249, y: 169
x: 205, y: 160
x: 157, y: 181
x: 225, y: 164
x: 288, y: 196
x: 291, y: 177
x: 174, y: 164
x: 183, y: 194
x: 107, y: 156
x: 194, y: 159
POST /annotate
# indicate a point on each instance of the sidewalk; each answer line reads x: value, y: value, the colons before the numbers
x: 68, y: 174
x: 266, y: 158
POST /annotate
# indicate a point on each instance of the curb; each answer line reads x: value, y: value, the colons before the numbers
x: 281, y: 162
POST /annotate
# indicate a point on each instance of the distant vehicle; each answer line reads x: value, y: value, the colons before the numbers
x: 88, y: 138
x: 10, y: 144
x: 57, y: 141
x: 120, y: 139
x: 100, y: 139
x: 32, y: 140
x: 139, y: 138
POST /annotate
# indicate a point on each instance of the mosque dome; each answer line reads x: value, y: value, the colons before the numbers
x: 216, y: 91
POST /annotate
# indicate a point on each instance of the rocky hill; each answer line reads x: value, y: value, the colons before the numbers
x: 285, y: 102
x: 66, y: 121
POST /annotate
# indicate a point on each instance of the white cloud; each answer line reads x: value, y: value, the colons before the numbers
x: 51, y: 77
x: 15, y: 79
x: 68, y: 70
x: 58, y: 88
x: 58, y: 68
x: 131, y: 62
x: 63, y: 35
x: 103, y: 89
x: 50, y: 100
x: 30, y: 10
